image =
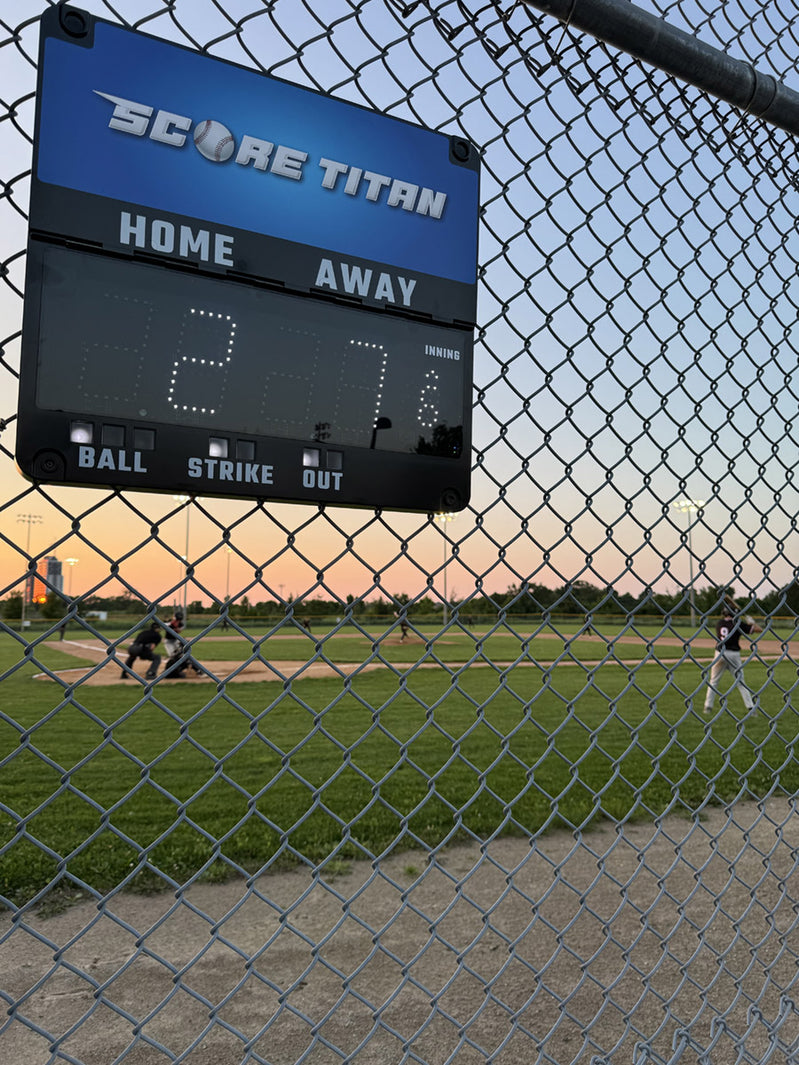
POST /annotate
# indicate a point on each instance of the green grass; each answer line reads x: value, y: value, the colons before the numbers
x: 111, y: 786
x: 453, y: 647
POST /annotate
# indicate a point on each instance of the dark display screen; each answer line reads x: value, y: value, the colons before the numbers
x: 143, y: 376
x: 127, y: 340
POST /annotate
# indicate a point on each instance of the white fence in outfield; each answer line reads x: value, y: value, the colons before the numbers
x: 451, y: 849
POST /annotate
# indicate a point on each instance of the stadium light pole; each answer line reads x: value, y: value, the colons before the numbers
x: 185, y: 500
x: 226, y: 618
x: 690, y: 507
x: 27, y: 519
x: 72, y: 563
x: 443, y: 518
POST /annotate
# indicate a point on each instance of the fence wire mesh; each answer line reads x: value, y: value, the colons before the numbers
x: 449, y: 787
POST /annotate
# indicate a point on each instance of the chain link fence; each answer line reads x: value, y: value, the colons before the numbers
x: 446, y: 789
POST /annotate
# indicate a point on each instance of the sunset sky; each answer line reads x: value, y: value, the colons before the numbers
x: 616, y: 370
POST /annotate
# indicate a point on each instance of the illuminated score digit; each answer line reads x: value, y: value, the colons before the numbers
x: 355, y: 378
x: 201, y: 370
x: 429, y: 401
x: 362, y: 372
x: 382, y: 381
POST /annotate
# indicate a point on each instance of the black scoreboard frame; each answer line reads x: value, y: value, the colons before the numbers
x: 369, y: 402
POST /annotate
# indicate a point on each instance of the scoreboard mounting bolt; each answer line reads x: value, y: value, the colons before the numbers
x: 73, y: 22
x: 49, y: 465
x: 460, y: 149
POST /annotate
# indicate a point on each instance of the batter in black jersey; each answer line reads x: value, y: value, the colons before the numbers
x: 728, y: 654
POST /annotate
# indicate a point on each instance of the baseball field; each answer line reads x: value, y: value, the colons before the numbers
x: 331, y: 746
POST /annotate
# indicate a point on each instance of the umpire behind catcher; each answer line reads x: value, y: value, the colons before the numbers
x: 728, y: 653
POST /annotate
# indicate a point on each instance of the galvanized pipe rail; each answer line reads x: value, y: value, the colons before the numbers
x: 653, y: 40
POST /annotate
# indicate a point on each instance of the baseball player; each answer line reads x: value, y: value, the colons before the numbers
x: 144, y: 643
x: 728, y: 653
x: 179, y: 659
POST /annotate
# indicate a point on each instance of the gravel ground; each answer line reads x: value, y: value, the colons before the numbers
x: 638, y: 943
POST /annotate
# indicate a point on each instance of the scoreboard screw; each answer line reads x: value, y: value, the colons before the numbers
x: 451, y: 500
x: 73, y: 22
x: 49, y: 465
x: 460, y: 149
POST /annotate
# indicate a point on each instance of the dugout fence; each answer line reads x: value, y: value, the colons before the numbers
x: 462, y: 843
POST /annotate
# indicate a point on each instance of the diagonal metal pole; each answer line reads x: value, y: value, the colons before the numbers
x: 653, y: 40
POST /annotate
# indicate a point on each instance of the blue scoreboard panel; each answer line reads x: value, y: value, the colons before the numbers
x: 240, y: 287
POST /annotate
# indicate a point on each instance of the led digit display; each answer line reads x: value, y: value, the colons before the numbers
x: 154, y: 345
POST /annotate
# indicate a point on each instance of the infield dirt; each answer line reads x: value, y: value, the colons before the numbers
x: 107, y: 671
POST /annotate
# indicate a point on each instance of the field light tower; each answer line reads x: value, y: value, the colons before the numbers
x: 72, y: 563
x: 443, y: 518
x: 228, y: 553
x: 27, y: 519
x: 186, y: 500
x: 690, y: 507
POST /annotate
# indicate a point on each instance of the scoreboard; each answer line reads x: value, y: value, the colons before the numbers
x: 237, y: 286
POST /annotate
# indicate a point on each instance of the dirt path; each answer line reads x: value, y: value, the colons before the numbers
x: 618, y: 944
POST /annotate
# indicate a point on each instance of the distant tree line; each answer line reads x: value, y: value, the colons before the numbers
x: 581, y: 597
x: 577, y: 598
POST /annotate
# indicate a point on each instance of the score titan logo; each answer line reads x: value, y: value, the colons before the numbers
x: 215, y: 142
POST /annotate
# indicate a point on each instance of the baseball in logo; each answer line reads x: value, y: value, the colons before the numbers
x: 213, y: 140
